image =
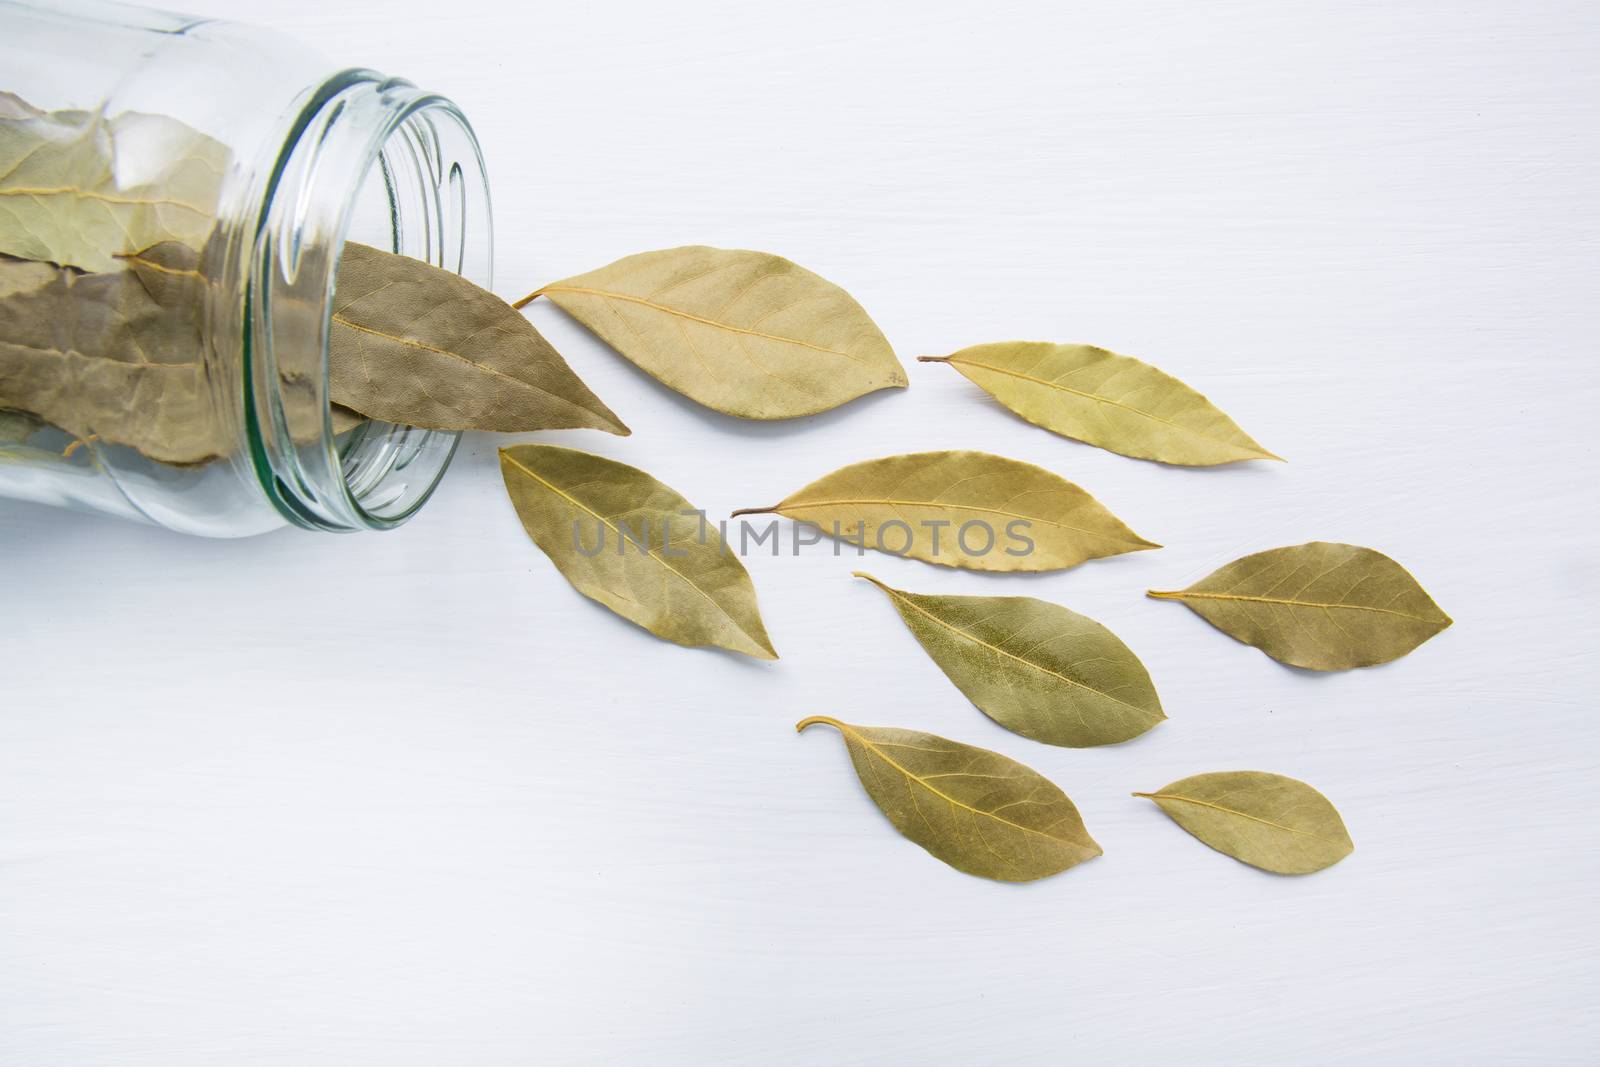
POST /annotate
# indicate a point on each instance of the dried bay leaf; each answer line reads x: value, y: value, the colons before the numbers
x: 1034, y: 667
x: 113, y: 354
x: 1266, y: 820
x: 978, y: 811
x: 80, y: 190
x: 414, y: 344
x: 1116, y: 402
x: 943, y: 507
x: 1321, y: 606
x: 119, y: 354
x: 745, y: 333
x: 591, y: 516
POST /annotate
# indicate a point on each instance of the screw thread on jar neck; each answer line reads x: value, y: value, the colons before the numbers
x: 379, y: 161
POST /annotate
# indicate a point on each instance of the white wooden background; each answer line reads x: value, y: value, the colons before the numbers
x: 409, y: 799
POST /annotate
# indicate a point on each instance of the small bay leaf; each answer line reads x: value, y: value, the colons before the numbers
x: 1321, y: 606
x: 745, y: 333
x: 978, y: 811
x: 1266, y: 820
x: 625, y: 540
x: 414, y: 344
x: 962, y: 509
x: 1116, y: 402
x: 1034, y: 667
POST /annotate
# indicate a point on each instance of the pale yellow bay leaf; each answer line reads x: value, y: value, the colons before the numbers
x: 962, y: 509
x: 1036, y: 668
x: 976, y: 810
x: 1116, y: 402
x: 78, y: 189
x: 745, y: 333
x: 1321, y: 606
x: 625, y: 540
x: 1269, y: 821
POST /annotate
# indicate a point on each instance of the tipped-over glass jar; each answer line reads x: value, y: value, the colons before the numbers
x: 174, y: 196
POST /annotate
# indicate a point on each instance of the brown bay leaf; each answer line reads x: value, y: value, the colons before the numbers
x: 1321, y: 606
x: 1034, y: 667
x: 976, y: 810
x: 962, y: 509
x: 1116, y: 402
x: 745, y: 333
x: 414, y: 344
x: 113, y: 354
x: 1269, y: 821
x: 625, y: 540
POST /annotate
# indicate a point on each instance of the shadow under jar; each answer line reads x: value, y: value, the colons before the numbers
x: 174, y: 196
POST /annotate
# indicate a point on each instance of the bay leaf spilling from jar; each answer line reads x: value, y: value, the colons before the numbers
x: 104, y: 229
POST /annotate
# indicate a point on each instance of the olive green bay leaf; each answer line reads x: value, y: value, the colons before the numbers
x: 976, y: 810
x: 80, y: 190
x: 745, y: 333
x: 1266, y: 820
x: 1116, y: 402
x: 590, y: 515
x: 1321, y: 606
x: 414, y: 344
x: 1034, y: 667
x: 962, y: 509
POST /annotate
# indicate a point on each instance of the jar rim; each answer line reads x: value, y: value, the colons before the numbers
x: 357, y: 123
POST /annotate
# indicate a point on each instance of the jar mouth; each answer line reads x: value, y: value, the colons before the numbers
x: 379, y: 161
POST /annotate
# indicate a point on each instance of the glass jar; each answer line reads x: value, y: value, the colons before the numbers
x: 174, y: 196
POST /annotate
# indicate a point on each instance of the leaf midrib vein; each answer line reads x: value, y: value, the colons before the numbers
x: 1229, y: 811
x: 607, y: 294
x: 1107, y: 400
x: 89, y: 194
x: 1183, y: 595
x: 941, y: 504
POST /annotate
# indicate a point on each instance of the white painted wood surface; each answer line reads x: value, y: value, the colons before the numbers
x: 408, y: 799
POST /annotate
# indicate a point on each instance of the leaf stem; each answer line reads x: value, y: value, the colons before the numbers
x: 824, y: 719
x: 933, y: 359
x: 870, y: 578
x: 530, y: 298
x: 1156, y: 594
x: 754, y: 511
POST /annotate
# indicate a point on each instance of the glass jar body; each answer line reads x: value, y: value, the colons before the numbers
x: 174, y: 195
